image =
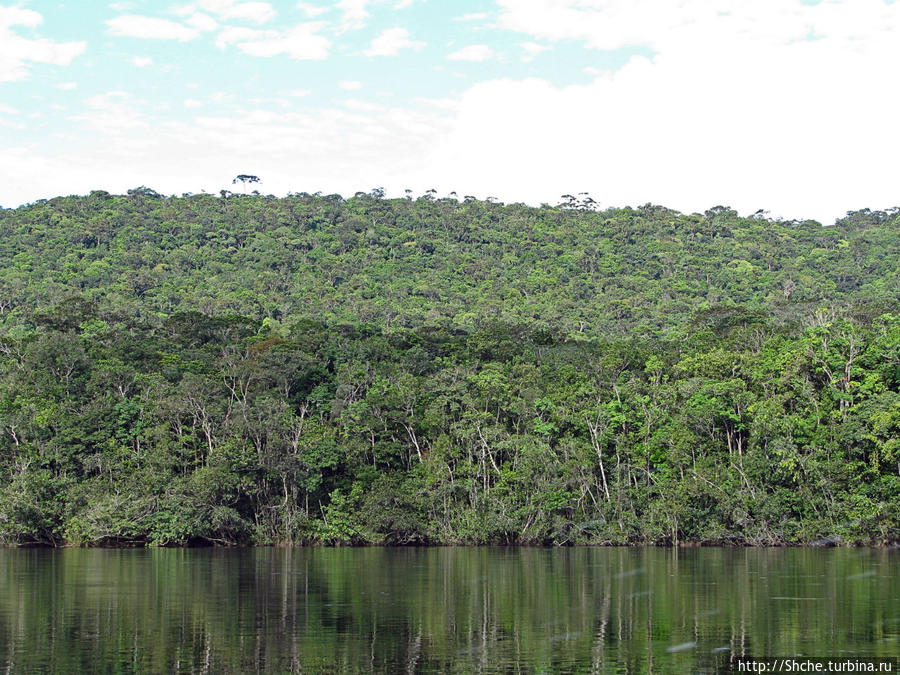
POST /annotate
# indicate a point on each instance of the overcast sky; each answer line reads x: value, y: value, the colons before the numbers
x: 785, y: 105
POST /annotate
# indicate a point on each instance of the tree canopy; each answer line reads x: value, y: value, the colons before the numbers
x: 249, y: 369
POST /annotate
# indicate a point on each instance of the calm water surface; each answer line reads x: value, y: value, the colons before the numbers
x: 461, y: 610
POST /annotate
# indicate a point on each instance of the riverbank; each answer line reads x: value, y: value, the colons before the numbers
x: 821, y: 542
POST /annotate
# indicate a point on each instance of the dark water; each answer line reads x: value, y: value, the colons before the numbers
x: 440, y: 610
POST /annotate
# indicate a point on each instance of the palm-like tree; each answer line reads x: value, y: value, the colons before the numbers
x: 244, y: 178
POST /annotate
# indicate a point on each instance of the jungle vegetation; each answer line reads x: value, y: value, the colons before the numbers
x: 245, y: 369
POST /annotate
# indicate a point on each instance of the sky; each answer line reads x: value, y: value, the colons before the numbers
x: 789, y: 106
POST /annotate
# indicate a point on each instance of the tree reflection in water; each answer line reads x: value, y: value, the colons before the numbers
x: 440, y: 609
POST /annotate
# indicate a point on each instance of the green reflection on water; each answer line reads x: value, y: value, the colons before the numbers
x: 440, y: 609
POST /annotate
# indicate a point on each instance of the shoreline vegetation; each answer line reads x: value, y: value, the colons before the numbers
x: 825, y: 542
x: 240, y: 370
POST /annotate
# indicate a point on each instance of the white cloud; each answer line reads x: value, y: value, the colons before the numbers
x: 202, y: 22
x: 142, y: 61
x: 532, y: 49
x: 391, y: 41
x: 16, y: 16
x: 17, y: 52
x: 364, y: 106
x: 332, y: 150
x: 192, y: 103
x: 300, y: 42
x: 475, y: 53
x: 440, y: 103
x: 350, y: 85
x: 257, y: 12
x: 132, y: 25
x: 739, y: 109
x: 234, y: 35
x: 67, y: 86
x: 312, y: 11
x: 113, y: 113
x: 106, y: 100
x: 355, y: 13
x: 695, y: 24
x: 8, y: 110
x: 299, y: 93
x: 474, y: 16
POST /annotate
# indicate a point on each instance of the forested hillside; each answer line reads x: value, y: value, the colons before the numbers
x: 249, y: 369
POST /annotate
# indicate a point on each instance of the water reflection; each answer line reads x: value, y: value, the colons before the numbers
x: 440, y: 610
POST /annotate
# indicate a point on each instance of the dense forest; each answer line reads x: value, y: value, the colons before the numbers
x: 240, y: 369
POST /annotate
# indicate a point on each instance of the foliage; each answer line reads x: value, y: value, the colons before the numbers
x: 245, y: 369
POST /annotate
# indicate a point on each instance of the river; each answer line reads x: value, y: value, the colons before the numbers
x: 312, y: 610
